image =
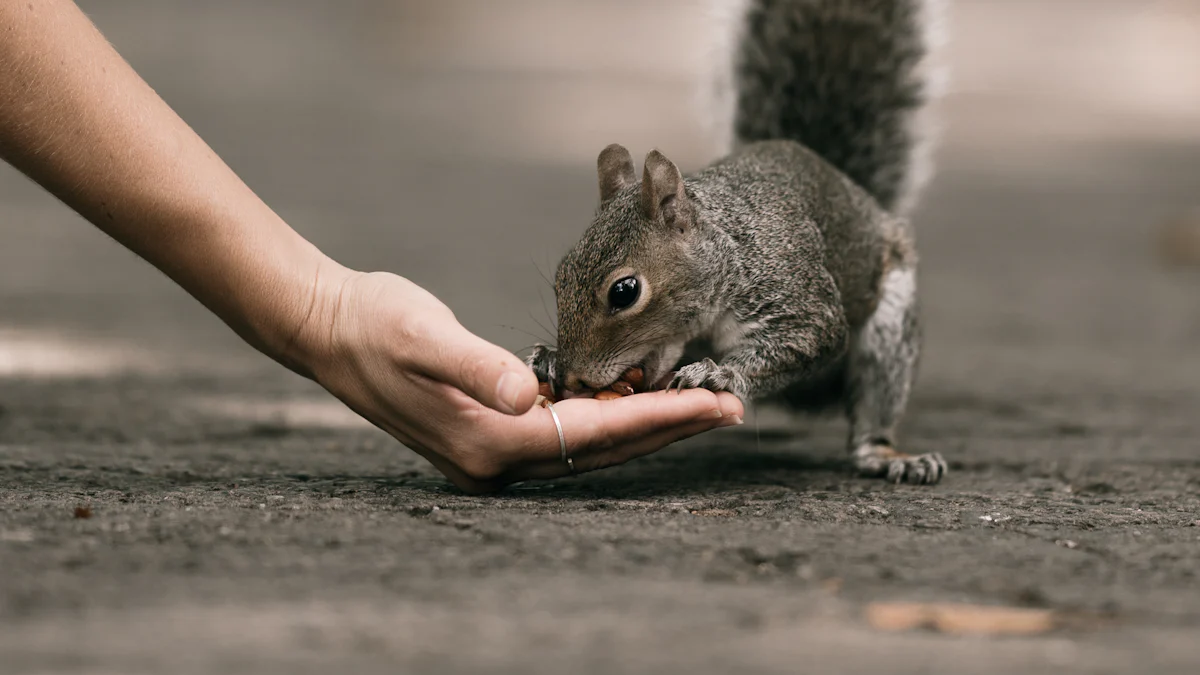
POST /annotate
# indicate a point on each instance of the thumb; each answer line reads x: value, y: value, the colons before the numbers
x: 485, y: 372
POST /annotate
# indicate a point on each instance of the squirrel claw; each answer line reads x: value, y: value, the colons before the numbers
x: 919, y: 470
x: 897, y: 467
x: 705, y: 374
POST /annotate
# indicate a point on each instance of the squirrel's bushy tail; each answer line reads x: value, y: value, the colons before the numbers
x: 850, y: 79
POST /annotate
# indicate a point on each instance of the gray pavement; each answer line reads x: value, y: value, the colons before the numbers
x: 243, y: 522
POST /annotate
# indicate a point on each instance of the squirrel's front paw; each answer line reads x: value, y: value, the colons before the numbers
x: 542, y: 361
x: 707, y: 374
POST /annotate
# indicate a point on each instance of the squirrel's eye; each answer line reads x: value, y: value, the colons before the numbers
x: 623, y: 293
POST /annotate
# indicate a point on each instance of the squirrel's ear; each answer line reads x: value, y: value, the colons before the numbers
x: 615, y: 167
x: 662, y: 189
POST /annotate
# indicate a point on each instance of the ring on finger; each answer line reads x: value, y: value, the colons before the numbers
x: 562, y: 440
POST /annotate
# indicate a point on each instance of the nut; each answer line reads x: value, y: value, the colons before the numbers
x: 623, y: 388
x: 545, y: 395
x: 636, y: 377
x: 629, y: 384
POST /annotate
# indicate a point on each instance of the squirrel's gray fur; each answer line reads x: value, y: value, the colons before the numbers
x: 790, y: 261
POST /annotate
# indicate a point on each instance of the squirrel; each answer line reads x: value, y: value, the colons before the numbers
x: 787, y: 268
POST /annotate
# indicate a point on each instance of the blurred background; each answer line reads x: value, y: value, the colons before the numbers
x: 453, y: 142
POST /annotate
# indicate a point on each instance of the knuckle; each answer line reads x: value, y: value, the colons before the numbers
x: 412, y: 332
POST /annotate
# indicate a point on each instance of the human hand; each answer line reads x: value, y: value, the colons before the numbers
x: 397, y: 356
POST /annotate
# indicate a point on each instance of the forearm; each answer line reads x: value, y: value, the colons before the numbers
x: 78, y: 120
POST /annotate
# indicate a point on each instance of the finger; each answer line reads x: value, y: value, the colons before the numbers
x: 731, y: 405
x: 529, y: 443
x: 491, y: 375
x: 595, y: 460
x: 601, y: 424
x: 585, y: 461
x: 588, y: 423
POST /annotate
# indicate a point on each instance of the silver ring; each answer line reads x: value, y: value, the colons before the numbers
x: 562, y: 440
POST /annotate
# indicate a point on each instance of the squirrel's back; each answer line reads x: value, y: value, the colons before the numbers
x: 850, y: 79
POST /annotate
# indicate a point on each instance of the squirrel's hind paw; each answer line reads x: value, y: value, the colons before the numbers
x: 878, y: 460
x: 708, y: 375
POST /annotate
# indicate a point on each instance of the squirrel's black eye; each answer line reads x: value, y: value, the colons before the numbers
x: 623, y: 293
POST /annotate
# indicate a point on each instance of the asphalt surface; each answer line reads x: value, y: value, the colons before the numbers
x: 241, y: 521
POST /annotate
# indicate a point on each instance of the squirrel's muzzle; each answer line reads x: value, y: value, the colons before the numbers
x: 574, y: 383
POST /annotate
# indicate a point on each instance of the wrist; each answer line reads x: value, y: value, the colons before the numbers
x: 300, y: 335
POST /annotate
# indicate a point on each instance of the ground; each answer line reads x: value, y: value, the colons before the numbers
x: 241, y: 521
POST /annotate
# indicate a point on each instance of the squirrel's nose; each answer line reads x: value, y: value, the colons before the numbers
x: 573, y: 382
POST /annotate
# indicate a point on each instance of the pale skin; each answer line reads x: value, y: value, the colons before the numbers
x: 78, y: 120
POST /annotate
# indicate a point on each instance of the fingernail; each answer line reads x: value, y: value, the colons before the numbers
x: 732, y: 421
x: 714, y: 414
x: 508, y: 389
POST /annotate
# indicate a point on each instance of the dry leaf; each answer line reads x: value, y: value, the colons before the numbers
x: 960, y: 619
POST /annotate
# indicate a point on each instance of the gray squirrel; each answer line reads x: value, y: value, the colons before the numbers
x: 788, y: 267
